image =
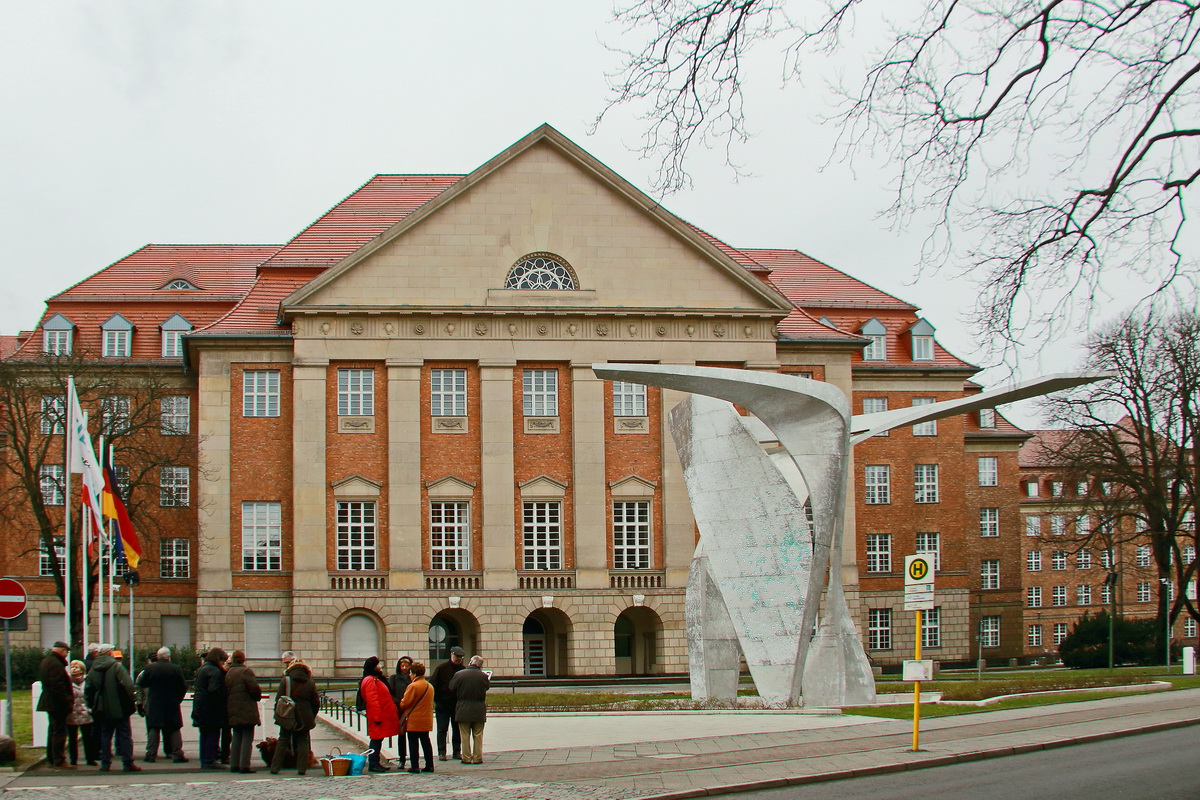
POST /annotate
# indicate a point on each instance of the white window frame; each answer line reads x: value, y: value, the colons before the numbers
x: 1106, y: 558
x: 1143, y: 555
x: 875, y: 405
x: 1035, y: 635
x: 60, y: 549
x: 174, y: 558
x: 1083, y: 559
x: 987, y: 418
x: 1033, y: 596
x: 1144, y: 595
x: 989, y: 631
x: 1031, y: 488
x: 54, y: 414
x: 879, y: 552
x: 925, y: 483
x: 51, y: 479
x: 172, y: 344
x: 989, y: 573
x: 922, y: 348
x: 879, y: 629
x: 1058, y: 524
x: 1058, y: 560
x: 1083, y: 594
x: 356, y: 392
x: 117, y: 342
x: 56, y: 342
x: 1033, y: 561
x: 1189, y: 628
x: 628, y: 399
x: 357, y: 535
x: 931, y: 627
x: 1082, y: 524
x: 876, y: 349
x: 1106, y: 594
x: 1033, y: 525
x: 449, y: 534
x: 878, y: 482
x: 539, y: 392
x: 448, y: 392
x: 1060, y: 632
x: 262, y: 536
x: 174, y: 487
x: 929, y: 427
x: 930, y: 544
x: 989, y: 522
x: 114, y: 414
x: 260, y: 393
x: 542, y: 534
x: 631, y: 521
x: 989, y: 471
x: 175, y: 415
x: 1058, y: 596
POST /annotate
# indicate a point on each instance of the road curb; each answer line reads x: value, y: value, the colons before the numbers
x: 937, y: 761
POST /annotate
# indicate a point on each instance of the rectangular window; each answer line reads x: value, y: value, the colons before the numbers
x: 1056, y: 489
x: 925, y: 483
x: 1106, y: 558
x: 879, y: 629
x: 989, y: 522
x: 174, y: 487
x: 1106, y: 594
x: 54, y: 414
x: 1083, y: 559
x: 356, y: 392
x: 1033, y: 526
x: 631, y: 534
x: 1081, y: 525
x: 922, y: 348
x: 1058, y: 596
x: 56, y: 343
x: 1058, y: 525
x: 924, y: 428
x: 1143, y: 555
x: 629, y: 399
x: 448, y: 393
x: 1083, y: 595
x: 1031, y: 489
x: 1035, y: 635
x: 116, y: 344
x: 876, y: 349
x: 539, y: 393
x: 262, y: 537
x: 878, y: 484
x: 989, y: 471
x: 1033, y: 561
x: 450, y: 535
x: 929, y: 544
x: 52, y: 477
x: 1058, y: 560
x: 172, y: 344
x: 261, y: 629
x: 989, y: 632
x: 989, y: 574
x: 1081, y: 488
x: 879, y: 552
x: 175, y: 418
x: 260, y: 393
x: 1189, y: 554
x: 60, y: 551
x: 114, y: 414
x: 1189, y: 628
x: 356, y: 535
x: 542, y: 534
x: 1033, y: 596
x: 174, y: 558
x: 1060, y: 632
x: 987, y: 418
x: 875, y: 405
x: 931, y: 627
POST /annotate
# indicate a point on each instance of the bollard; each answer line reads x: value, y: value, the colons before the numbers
x: 41, y: 722
x: 4, y: 719
x: 1189, y: 661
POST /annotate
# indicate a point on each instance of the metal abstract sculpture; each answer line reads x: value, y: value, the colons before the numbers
x: 771, y: 524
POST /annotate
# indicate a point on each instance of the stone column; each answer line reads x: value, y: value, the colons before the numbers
x: 215, y: 398
x: 499, y: 518
x: 309, y: 565
x: 405, y: 551
x: 591, y: 513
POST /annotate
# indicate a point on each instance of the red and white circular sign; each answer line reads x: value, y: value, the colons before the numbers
x: 12, y: 598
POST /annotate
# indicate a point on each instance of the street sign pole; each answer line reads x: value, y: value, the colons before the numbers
x: 917, y: 690
x: 13, y: 600
x: 8, y: 728
x: 918, y: 597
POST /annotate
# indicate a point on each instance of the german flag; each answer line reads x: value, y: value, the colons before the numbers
x: 114, y: 508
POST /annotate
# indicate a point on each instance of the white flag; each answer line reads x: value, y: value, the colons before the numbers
x: 83, y: 457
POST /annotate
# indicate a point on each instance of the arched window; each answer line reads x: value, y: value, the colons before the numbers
x: 180, y: 283
x: 541, y: 271
x: 358, y: 637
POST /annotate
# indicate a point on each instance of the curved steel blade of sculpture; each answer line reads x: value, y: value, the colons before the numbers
x: 756, y: 578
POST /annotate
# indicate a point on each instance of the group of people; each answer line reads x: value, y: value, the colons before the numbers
x: 94, y: 700
x: 407, y: 703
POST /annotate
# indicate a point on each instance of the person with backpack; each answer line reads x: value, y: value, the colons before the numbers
x: 301, y: 717
x: 110, y: 693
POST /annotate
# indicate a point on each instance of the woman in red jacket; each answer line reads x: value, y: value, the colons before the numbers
x: 382, y: 720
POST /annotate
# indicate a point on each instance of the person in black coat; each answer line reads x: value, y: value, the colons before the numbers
x: 58, y: 697
x: 209, y: 709
x: 298, y: 684
x: 165, y: 689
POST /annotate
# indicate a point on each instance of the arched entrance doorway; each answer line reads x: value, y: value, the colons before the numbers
x: 450, y: 628
x: 635, y: 641
x: 546, y: 636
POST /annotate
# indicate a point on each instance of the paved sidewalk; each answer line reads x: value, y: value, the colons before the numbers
x: 662, y: 755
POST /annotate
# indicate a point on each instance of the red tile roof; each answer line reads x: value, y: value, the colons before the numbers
x: 367, y: 212
x: 215, y: 269
x: 258, y: 312
x: 813, y: 284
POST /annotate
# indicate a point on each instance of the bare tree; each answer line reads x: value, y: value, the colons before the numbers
x: 1050, y: 141
x: 125, y: 401
x: 1133, y: 439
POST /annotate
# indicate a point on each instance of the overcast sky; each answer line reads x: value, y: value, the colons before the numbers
x: 165, y: 121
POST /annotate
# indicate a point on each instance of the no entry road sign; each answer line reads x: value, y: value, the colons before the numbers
x: 12, y: 598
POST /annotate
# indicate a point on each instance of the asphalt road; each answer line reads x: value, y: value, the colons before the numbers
x: 1154, y: 766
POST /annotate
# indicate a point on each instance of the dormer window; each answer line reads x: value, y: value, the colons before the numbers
x: 173, y: 330
x: 179, y: 284
x: 117, y: 335
x: 876, y: 349
x: 57, y: 333
x: 987, y: 418
x: 541, y: 271
x: 922, y: 341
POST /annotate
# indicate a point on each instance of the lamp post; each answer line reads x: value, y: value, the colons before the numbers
x: 1166, y: 583
x: 1111, y: 581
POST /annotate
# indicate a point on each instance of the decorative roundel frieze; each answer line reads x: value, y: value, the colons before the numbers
x: 542, y: 330
x: 661, y: 330
x: 572, y: 329
x: 356, y: 328
x: 512, y: 329
x: 481, y: 329
x: 633, y: 330
x: 718, y: 330
x: 419, y: 329
x: 602, y: 329
x: 389, y: 329
x: 325, y: 328
x: 691, y: 330
x: 450, y: 328
x: 748, y: 331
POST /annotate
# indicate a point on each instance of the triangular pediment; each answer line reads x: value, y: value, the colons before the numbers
x: 543, y: 488
x: 356, y: 486
x: 543, y: 195
x: 632, y: 486
x: 450, y: 486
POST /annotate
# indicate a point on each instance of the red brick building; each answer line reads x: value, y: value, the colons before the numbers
x: 400, y: 446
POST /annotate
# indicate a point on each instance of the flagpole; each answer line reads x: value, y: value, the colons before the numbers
x: 68, y: 465
x: 85, y: 523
